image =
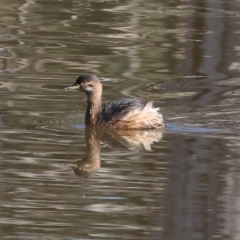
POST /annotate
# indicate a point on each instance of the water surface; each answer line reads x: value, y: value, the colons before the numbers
x: 179, y: 184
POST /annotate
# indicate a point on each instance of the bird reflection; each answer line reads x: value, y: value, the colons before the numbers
x: 121, y: 140
x: 91, y: 161
x: 131, y: 140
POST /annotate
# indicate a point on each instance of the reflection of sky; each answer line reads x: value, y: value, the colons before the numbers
x: 1, y: 123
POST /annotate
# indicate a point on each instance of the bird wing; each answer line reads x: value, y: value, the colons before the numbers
x: 121, y: 109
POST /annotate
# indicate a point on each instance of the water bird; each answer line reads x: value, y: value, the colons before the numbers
x: 126, y: 113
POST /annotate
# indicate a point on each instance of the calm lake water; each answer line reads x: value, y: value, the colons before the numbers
x: 62, y: 181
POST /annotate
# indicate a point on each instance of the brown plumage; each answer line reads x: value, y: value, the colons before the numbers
x: 126, y: 113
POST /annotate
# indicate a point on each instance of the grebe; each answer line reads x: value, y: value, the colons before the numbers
x: 126, y: 113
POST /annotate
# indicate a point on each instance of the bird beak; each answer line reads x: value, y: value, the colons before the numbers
x: 73, y: 87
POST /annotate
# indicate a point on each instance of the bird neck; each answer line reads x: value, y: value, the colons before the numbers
x: 94, y: 105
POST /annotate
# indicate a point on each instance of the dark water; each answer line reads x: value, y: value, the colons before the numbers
x: 184, y: 55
